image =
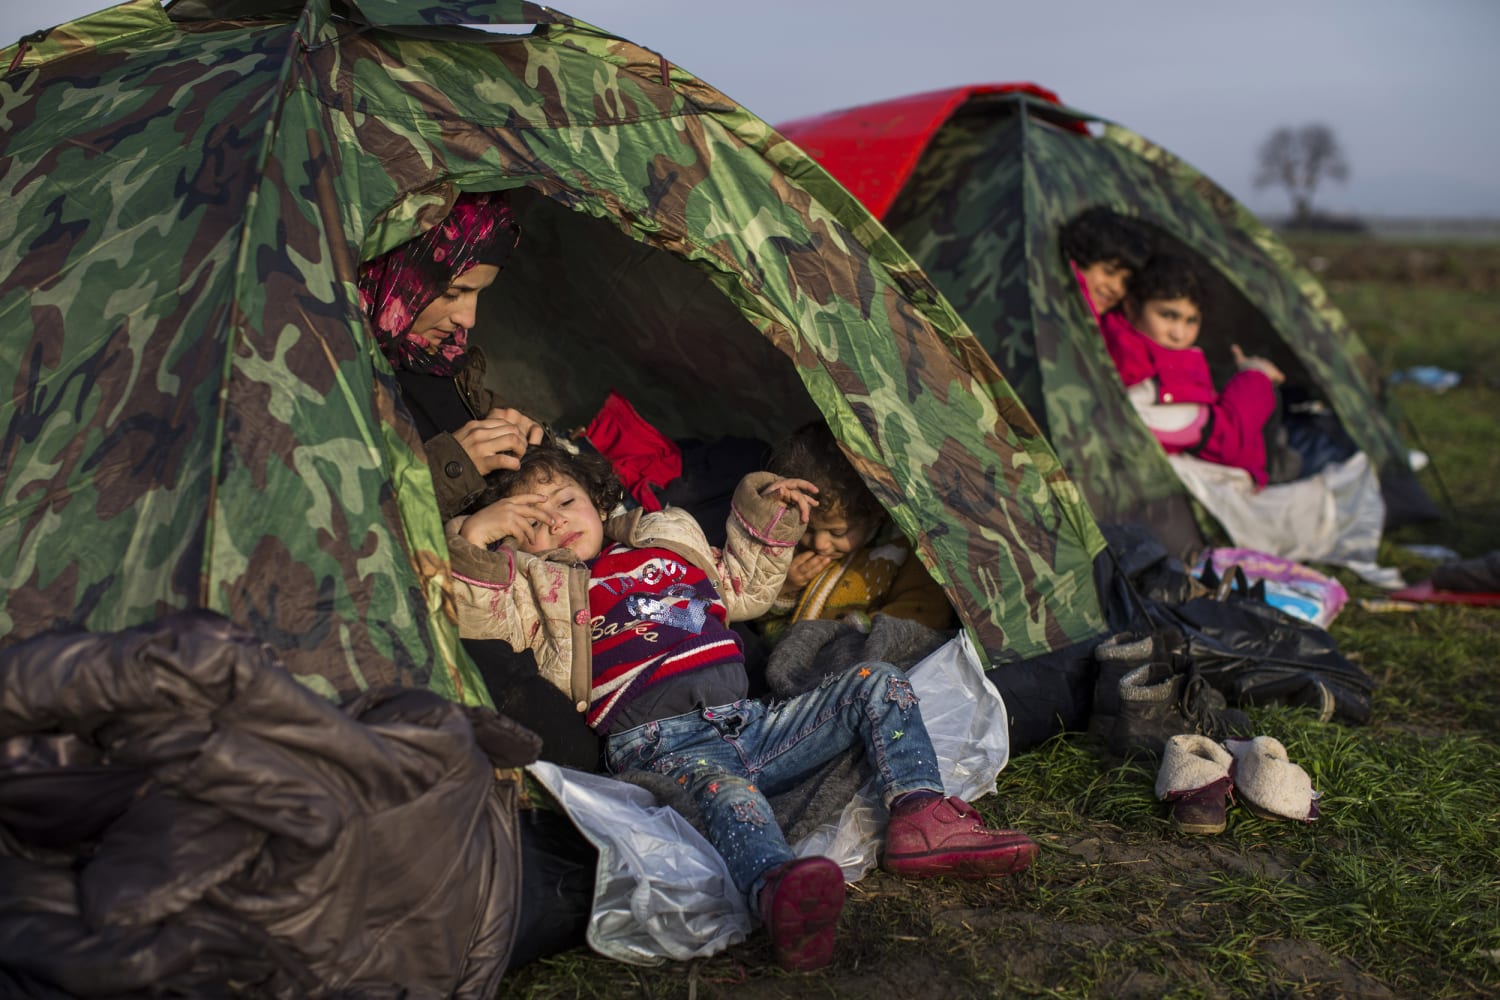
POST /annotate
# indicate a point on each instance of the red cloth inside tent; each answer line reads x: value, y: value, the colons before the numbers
x: 644, y: 458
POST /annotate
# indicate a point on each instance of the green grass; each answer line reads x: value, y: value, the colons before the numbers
x: 1425, y: 326
x: 1393, y: 892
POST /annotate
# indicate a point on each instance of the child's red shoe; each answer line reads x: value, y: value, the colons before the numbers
x: 931, y: 835
x: 800, y: 904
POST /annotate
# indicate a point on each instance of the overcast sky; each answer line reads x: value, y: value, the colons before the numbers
x: 1409, y: 87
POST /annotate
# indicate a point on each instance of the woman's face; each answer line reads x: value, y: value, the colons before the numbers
x: 454, y: 310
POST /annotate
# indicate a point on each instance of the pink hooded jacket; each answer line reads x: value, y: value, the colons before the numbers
x: 1229, y: 431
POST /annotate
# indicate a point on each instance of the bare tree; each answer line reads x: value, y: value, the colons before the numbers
x: 1298, y: 159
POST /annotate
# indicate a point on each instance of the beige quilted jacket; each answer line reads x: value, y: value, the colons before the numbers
x: 541, y: 602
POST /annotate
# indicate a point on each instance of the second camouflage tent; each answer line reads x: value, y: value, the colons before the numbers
x: 976, y: 182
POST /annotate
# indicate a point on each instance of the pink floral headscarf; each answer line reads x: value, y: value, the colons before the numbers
x: 395, y: 287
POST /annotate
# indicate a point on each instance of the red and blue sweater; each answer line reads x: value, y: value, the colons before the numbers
x: 655, y: 618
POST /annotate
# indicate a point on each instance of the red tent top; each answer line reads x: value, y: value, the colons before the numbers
x: 873, y: 148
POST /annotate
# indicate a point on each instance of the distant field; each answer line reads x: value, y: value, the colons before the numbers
x: 1423, y: 230
x: 1454, y: 230
x: 1405, y: 263
x: 1432, y: 304
x: 1393, y: 892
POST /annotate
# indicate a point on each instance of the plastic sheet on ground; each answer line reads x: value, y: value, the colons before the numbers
x: 1333, y: 517
x: 662, y: 890
x: 966, y: 719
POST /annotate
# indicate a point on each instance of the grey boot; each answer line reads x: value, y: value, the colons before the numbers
x: 1117, y: 656
x: 1149, y: 712
x: 1157, y: 702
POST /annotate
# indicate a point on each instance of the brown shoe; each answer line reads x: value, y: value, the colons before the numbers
x: 1195, y: 778
x: 1204, y: 810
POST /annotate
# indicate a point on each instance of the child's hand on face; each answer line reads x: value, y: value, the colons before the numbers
x: 793, y: 493
x: 512, y: 517
x: 1265, y: 367
x: 806, y: 565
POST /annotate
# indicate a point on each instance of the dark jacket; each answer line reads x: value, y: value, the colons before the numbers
x: 179, y: 815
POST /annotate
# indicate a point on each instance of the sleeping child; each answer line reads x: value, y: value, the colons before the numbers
x: 852, y: 563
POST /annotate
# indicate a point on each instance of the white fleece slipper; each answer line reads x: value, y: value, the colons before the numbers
x: 1271, y: 786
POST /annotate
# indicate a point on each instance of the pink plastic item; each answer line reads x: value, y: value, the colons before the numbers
x: 1290, y: 587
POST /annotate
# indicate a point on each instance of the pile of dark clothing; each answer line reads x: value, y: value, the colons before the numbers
x: 1481, y: 574
x: 179, y: 816
x: 1201, y: 646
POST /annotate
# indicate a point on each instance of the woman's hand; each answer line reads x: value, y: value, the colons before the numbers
x: 1265, y: 367
x: 499, y: 440
x: 806, y: 565
x: 793, y: 493
x: 512, y: 517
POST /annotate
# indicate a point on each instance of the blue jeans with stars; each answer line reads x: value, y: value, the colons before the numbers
x: 730, y: 757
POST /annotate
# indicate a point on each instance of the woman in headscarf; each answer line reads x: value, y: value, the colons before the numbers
x: 421, y: 298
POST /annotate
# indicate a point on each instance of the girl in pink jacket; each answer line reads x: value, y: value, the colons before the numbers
x: 1151, y: 342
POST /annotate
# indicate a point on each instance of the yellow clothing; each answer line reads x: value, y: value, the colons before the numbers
x: 885, y: 577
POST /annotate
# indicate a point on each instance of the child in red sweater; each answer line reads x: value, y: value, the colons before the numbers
x: 1104, y: 250
x: 631, y: 612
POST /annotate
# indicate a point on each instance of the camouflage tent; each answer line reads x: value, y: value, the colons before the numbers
x: 975, y: 183
x: 197, y: 413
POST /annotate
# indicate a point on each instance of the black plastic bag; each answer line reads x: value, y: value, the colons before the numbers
x: 1154, y: 574
x: 1256, y: 654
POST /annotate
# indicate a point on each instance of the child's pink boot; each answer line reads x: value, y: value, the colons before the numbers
x: 800, y: 902
x: 932, y: 835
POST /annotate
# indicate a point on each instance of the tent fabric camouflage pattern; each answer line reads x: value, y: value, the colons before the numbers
x: 981, y: 212
x: 198, y: 415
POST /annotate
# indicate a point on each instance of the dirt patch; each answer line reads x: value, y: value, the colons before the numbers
x: 957, y: 940
x: 1310, y: 964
